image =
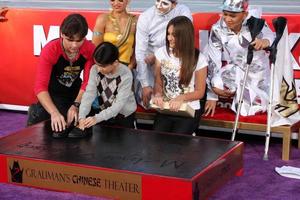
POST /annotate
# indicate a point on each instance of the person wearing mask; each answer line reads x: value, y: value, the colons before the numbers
x: 150, y: 36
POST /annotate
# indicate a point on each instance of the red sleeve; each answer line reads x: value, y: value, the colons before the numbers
x: 47, y: 59
x: 89, y: 50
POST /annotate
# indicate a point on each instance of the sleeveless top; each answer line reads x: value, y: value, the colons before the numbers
x: 126, y: 50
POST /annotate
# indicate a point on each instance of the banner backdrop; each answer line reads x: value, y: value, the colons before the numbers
x: 26, y: 31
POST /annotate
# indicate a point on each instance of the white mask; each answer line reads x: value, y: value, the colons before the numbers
x: 163, y: 6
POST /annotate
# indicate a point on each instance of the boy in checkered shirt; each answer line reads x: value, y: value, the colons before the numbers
x: 111, y: 81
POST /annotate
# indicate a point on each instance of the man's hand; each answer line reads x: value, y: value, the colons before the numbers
x: 146, y: 95
x: 150, y: 59
x: 210, y: 107
x: 72, y: 115
x: 58, y: 122
x: 223, y: 93
x: 260, y: 44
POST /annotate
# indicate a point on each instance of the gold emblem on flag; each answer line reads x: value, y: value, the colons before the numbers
x: 288, y: 100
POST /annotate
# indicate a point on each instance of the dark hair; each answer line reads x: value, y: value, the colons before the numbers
x: 74, y: 25
x: 106, y: 53
x: 184, y: 46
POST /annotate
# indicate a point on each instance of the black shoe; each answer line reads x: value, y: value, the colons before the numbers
x: 62, y: 134
x: 78, y: 133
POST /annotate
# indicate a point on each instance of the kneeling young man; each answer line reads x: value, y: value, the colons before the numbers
x: 58, y: 85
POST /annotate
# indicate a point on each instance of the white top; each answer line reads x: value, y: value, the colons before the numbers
x: 151, y: 35
x: 170, y: 71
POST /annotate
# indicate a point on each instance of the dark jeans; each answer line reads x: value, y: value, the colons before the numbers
x: 118, y: 121
x: 176, y: 124
x: 37, y: 113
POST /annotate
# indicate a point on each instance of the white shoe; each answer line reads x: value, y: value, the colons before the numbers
x: 288, y: 171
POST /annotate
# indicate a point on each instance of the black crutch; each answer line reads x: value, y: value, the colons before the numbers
x: 255, y: 26
x: 279, y: 25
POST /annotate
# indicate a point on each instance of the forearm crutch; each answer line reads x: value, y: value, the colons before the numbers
x: 240, y: 100
x: 255, y: 26
x: 279, y: 24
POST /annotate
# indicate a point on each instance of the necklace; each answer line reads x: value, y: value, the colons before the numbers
x: 71, y: 56
x: 116, y: 26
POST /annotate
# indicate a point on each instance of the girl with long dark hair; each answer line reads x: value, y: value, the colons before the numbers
x: 180, y: 77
